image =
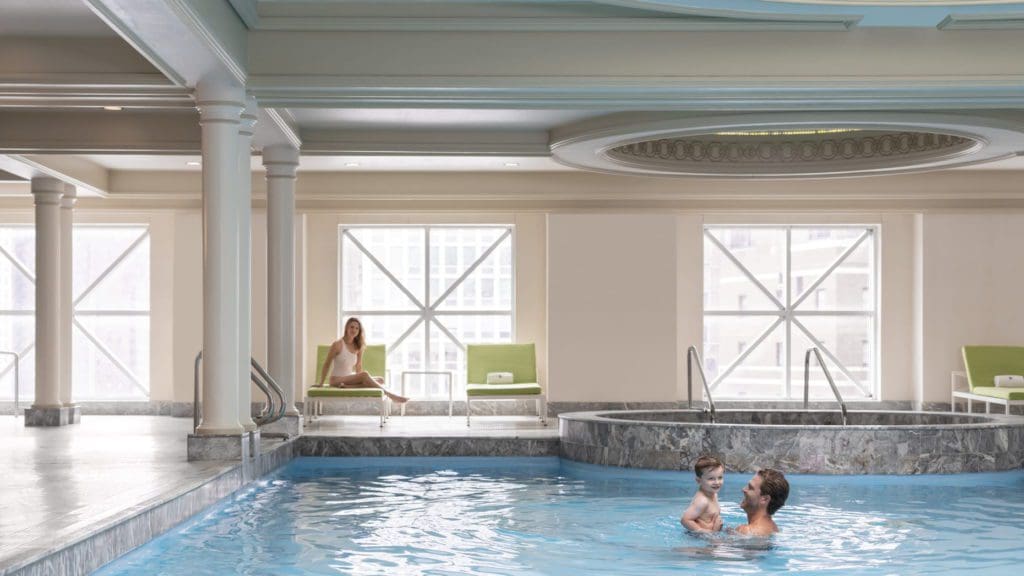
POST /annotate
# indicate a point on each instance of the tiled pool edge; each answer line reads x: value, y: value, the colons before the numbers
x: 140, y: 524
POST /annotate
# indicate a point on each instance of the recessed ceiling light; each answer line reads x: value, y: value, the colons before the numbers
x: 512, y: 164
x: 113, y: 108
x: 192, y: 163
x: 351, y: 164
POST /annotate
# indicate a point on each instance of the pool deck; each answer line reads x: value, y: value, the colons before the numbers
x: 113, y: 482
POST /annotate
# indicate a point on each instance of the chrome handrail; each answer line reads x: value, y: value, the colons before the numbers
x: 17, y: 377
x: 267, y: 384
x: 691, y: 357
x: 828, y: 376
x: 195, y: 396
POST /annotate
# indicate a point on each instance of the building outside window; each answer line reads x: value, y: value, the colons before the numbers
x: 827, y: 277
x: 111, y: 322
x: 426, y: 292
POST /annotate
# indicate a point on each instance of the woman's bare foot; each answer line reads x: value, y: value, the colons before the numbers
x: 399, y: 399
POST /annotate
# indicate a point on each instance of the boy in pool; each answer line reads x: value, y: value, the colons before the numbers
x: 704, y: 514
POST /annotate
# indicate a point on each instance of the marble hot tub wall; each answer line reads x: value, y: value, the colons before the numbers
x: 797, y: 441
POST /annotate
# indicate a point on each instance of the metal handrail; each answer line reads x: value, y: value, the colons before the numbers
x: 17, y: 377
x: 267, y: 384
x: 195, y: 396
x: 693, y: 357
x: 828, y: 376
x: 262, y: 380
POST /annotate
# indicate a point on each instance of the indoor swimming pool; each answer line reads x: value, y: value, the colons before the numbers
x: 550, y: 516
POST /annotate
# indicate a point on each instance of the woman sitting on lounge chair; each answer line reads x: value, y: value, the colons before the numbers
x: 346, y: 355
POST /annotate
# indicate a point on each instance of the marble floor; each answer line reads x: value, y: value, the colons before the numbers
x: 61, y: 484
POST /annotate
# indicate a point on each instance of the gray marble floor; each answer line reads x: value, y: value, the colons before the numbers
x: 60, y: 484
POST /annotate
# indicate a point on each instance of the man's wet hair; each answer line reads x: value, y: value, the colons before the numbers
x: 705, y: 463
x: 775, y: 486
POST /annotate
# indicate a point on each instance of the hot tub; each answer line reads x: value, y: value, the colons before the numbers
x: 805, y: 441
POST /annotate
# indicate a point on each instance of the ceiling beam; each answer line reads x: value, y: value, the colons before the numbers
x: 89, y: 178
x: 425, y: 143
x: 32, y: 131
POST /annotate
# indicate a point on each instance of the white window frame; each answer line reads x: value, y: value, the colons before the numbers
x: 96, y: 342
x: 787, y: 312
x: 426, y: 314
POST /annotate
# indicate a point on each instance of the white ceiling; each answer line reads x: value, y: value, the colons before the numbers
x: 344, y: 163
x: 67, y: 18
x: 451, y: 119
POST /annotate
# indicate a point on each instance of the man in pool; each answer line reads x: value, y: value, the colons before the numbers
x: 763, y: 495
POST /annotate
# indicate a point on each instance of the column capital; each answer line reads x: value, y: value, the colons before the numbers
x: 219, y: 101
x: 249, y: 117
x: 70, y: 196
x: 47, y: 190
x: 281, y: 161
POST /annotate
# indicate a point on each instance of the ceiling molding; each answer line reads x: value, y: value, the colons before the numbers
x: 276, y: 127
x: 1010, y: 21
x: 91, y: 91
x: 642, y: 93
x: 436, y: 143
x: 315, y: 24
x: 247, y: 11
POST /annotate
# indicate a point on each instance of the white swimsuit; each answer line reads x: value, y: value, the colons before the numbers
x: 345, y: 362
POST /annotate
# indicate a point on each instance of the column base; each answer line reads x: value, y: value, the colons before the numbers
x: 254, y: 443
x: 288, y: 424
x: 55, y: 416
x: 218, y: 447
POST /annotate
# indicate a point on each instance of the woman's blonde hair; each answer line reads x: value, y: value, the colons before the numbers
x: 359, y: 340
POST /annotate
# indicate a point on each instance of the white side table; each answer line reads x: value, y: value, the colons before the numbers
x: 447, y: 373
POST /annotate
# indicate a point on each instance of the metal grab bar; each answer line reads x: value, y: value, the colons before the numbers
x: 693, y: 357
x: 195, y: 396
x: 17, y: 377
x: 828, y: 376
x: 262, y: 380
x: 267, y: 384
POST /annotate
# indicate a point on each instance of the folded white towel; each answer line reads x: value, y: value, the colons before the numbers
x: 499, y: 378
x: 1010, y: 381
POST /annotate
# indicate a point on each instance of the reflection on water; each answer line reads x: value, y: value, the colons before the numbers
x: 541, y: 516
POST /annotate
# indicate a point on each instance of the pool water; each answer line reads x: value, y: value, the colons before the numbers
x: 448, y: 516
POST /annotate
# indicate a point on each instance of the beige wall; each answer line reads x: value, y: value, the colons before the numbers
x: 949, y: 278
x: 612, y: 307
x: 972, y: 286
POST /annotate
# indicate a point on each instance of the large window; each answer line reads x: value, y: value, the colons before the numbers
x: 110, y: 333
x: 772, y: 292
x: 426, y: 292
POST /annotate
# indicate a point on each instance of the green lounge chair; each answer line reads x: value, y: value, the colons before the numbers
x: 374, y: 362
x: 983, y: 364
x: 519, y: 359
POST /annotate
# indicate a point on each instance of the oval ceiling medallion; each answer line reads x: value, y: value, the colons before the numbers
x: 785, y: 146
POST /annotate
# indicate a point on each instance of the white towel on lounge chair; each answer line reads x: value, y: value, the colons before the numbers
x: 1009, y: 381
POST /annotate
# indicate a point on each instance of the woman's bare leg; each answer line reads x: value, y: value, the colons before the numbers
x: 364, y: 380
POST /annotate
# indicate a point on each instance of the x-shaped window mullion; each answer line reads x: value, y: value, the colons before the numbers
x: 743, y: 356
x: 744, y: 270
x: 17, y: 264
x: 472, y: 267
x: 110, y: 356
x: 113, y: 265
x: 380, y: 265
x: 831, y: 356
x: 842, y: 257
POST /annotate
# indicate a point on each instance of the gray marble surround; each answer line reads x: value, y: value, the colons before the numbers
x: 60, y: 416
x: 425, y: 446
x: 798, y: 441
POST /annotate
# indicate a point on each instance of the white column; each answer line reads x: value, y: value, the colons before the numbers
x: 67, y: 309
x: 220, y: 108
x: 47, y: 193
x: 281, y: 163
x: 245, y: 132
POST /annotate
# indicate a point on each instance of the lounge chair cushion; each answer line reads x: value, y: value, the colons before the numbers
x: 524, y: 389
x: 1003, y: 393
x: 984, y: 363
x: 519, y: 359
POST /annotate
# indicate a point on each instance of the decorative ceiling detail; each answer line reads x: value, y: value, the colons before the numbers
x: 786, y: 146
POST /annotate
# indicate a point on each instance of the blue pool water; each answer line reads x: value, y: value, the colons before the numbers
x: 448, y: 516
